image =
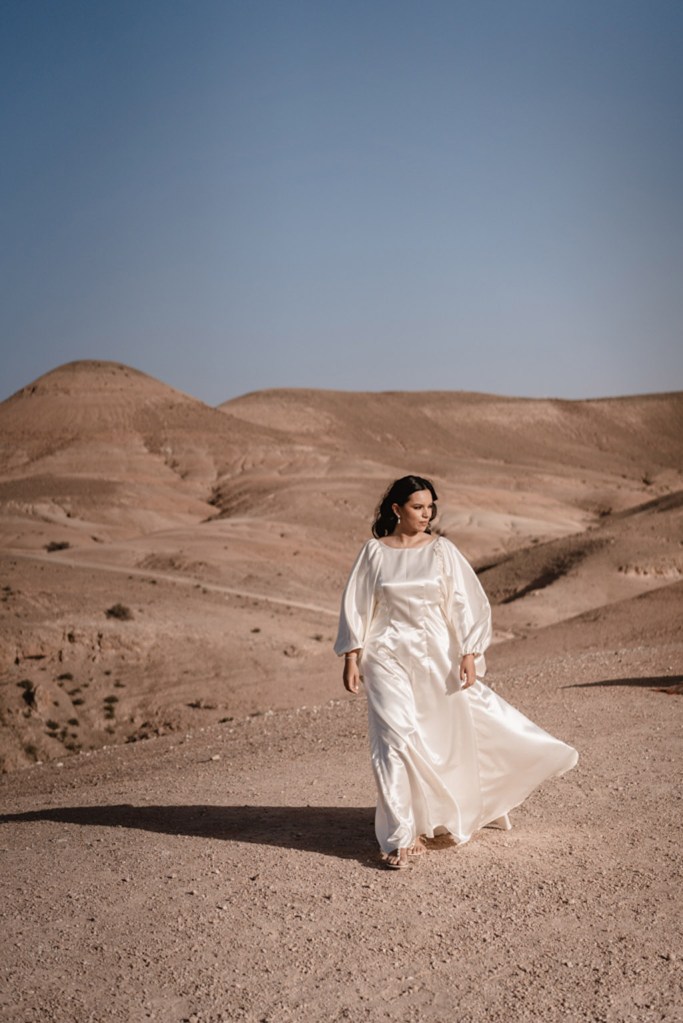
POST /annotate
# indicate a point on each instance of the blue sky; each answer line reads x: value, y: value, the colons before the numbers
x: 231, y: 196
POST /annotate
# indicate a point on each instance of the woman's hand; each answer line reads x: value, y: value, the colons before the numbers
x: 352, y: 675
x: 468, y: 673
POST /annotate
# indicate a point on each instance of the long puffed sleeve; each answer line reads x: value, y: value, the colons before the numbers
x: 467, y: 606
x: 358, y: 603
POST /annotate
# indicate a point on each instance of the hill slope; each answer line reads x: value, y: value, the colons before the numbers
x: 509, y: 470
x: 101, y: 443
x: 227, y: 535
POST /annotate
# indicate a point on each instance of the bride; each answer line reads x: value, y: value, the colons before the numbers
x: 447, y: 753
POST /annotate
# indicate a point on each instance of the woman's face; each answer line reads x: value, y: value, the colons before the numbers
x: 416, y: 513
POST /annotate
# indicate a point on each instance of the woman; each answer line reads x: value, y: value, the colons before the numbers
x: 447, y: 753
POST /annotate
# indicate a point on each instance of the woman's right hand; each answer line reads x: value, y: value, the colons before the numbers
x: 352, y: 675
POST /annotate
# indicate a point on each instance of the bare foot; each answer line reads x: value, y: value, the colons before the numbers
x: 396, y: 860
x: 419, y: 848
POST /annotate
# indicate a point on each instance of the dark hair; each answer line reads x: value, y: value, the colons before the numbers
x: 398, y: 493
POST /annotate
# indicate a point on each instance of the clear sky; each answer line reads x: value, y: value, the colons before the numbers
x: 359, y: 194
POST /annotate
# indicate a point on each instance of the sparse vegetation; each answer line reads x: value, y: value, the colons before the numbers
x: 57, y: 545
x: 29, y: 693
x: 66, y: 676
x: 109, y: 708
x: 120, y: 611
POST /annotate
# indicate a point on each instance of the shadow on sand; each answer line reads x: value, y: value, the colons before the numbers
x: 339, y: 831
x: 659, y: 682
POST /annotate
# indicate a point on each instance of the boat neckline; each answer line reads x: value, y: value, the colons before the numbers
x: 420, y: 547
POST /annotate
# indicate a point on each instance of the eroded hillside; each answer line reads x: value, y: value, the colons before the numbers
x: 223, y: 536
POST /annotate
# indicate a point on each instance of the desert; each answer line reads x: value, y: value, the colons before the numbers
x: 186, y: 828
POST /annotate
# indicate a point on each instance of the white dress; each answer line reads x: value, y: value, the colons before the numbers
x: 443, y: 757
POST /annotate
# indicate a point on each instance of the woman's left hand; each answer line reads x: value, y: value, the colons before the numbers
x: 468, y: 674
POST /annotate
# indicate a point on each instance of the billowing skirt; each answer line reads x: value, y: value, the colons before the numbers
x: 448, y: 760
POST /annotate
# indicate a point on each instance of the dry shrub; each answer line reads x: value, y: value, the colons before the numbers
x: 120, y: 611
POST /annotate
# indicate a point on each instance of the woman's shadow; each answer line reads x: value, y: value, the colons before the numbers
x: 339, y: 831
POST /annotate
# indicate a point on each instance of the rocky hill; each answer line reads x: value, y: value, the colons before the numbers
x: 167, y: 564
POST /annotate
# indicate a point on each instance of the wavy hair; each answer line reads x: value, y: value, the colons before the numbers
x: 398, y: 493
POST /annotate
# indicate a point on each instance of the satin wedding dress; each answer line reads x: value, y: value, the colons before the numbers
x: 444, y: 758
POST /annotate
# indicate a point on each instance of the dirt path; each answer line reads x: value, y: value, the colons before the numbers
x: 145, y: 573
x: 231, y: 874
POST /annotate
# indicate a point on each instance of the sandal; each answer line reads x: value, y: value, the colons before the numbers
x: 398, y: 865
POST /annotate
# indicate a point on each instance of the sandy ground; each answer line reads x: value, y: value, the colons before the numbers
x: 232, y: 874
